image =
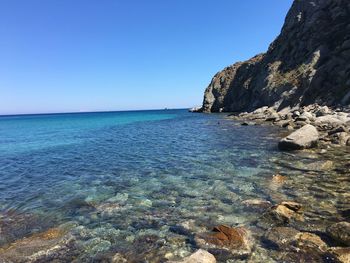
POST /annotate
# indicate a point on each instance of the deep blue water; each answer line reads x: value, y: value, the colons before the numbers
x: 140, y: 173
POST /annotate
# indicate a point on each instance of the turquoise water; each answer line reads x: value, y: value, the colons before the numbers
x: 127, y: 177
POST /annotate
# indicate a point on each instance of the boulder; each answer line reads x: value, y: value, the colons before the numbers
x: 200, y: 256
x: 329, y: 119
x: 340, y: 232
x: 223, y: 239
x: 305, y: 137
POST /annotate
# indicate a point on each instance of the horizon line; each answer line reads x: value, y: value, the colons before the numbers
x: 83, y: 112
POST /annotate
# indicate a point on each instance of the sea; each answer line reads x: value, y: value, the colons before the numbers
x: 142, y: 184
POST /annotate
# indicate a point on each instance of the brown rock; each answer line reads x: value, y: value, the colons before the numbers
x: 309, y: 241
x: 283, y: 213
x: 41, y: 247
x: 296, y: 246
x: 342, y: 254
x: 279, y: 179
x: 236, y: 241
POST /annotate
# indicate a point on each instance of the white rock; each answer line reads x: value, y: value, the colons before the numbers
x: 201, y: 256
x: 305, y: 137
x: 329, y: 119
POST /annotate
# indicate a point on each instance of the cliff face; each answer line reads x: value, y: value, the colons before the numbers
x: 309, y: 62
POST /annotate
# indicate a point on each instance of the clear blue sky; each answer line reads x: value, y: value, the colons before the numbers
x: 73, y: 55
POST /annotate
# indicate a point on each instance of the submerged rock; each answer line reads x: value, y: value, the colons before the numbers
x: 296, y: 246
x: 278, y: 179
x: 53, y: 244
x: 305, y: 137
x: 257, y: 204
x: 340, y: 232
x: 200, y: 256
x: 226, y: 240
x: 283, y: 214
x: 341, y: 254
x: 280, y: 237
x: 119, y: 258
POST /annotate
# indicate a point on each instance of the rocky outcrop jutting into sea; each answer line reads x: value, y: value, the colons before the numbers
x: 307, y: 63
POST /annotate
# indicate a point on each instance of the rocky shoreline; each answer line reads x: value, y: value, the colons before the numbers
x: 311, y: 126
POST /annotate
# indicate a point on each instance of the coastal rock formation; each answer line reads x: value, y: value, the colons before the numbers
x: 305, y: 137
x: 307, y: 63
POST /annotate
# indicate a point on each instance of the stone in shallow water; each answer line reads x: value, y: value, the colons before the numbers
x: 47, y: 246
x: 200, y: 256
x: 278, y: 179
x: 257, y: 204
x: 118, y: 258
x: 296, y: 246
x: 15, y: 225
x: 119, y: 198
x: 304, y: 138
x: 280, y: 237
x: 342, y: 254
x: 283, y: 213
x: 223, y: 239
x: 340, y: 232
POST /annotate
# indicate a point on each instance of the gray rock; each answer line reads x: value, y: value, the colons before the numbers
x: 322, y: 111
x: 273, y: 117
x: 329, y: 119
x: 305, y: 137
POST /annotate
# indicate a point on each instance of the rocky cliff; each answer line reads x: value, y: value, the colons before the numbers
x: 309, y: 62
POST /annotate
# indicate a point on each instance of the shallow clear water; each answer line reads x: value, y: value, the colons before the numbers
x: 126, y: 178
